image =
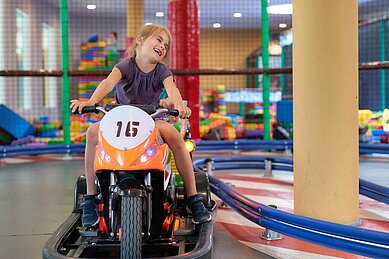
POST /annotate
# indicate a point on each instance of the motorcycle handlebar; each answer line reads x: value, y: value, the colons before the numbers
x: 149, y: 109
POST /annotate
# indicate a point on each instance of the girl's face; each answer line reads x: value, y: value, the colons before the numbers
x: 154, y: 47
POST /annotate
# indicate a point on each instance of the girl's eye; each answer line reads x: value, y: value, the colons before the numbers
x: 159, y: 40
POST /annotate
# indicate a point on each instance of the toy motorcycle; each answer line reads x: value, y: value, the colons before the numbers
x: 142, y: 204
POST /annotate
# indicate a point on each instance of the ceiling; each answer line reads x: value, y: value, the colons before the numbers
x: 211, y: 11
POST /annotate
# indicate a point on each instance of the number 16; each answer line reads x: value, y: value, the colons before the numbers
x: 131, y: 129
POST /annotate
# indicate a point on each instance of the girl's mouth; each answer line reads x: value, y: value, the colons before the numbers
x: 159, y: 52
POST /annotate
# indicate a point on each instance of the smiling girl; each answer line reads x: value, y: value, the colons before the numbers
x: 140, y: 80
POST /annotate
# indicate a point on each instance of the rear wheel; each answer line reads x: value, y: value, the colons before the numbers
x: 131, y: 222
x: 203, y: 187
x: 79, y: 192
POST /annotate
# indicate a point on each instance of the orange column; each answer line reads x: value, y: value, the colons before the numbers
x: 135, y: 19
x: 325, y: 97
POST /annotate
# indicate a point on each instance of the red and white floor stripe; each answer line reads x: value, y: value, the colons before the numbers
x: 279, y: 191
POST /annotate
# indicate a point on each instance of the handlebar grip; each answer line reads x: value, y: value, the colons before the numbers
x: 173, y: 112
x: 76, y: 112
x: 90, y: 109
x: 87, y: 109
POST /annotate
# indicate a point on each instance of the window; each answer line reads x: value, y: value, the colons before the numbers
x: 23, y: 58
x: 49, y: 62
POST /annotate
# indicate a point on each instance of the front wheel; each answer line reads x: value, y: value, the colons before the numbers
x: 131, y: 221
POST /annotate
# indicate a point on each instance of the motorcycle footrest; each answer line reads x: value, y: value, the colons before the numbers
x: 186, y: 227
x: 89, y: 232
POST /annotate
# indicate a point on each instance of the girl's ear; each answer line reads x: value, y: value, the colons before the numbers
x: 139, y: 40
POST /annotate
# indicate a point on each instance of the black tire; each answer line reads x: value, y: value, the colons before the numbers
x: 203, y: 187
x: 79, y: 193
x: 131, y: 222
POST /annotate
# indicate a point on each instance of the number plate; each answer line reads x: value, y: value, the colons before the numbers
x: 126, y: 127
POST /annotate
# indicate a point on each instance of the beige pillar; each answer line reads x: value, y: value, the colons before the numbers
x: 135, y: 17
x: 325, y: 97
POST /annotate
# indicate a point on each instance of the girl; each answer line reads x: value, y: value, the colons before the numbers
x: 140, y: 80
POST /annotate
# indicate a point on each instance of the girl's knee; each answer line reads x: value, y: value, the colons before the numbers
x: 92, y: 132
x: 171, y: 135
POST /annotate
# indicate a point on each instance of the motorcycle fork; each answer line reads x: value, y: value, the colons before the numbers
x: 113, y: 194
x: 149, y: 208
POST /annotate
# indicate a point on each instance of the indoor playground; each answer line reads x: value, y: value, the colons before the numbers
x: 288, y: 133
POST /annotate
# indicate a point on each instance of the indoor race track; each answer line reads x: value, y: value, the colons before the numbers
x: 37, y: 196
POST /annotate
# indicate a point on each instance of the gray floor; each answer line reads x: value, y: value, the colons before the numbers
x: 37, y: 197
x: 374, y: 171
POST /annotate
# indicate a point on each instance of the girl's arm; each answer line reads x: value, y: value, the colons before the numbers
x: 101, y: 91
x: 106, y: 86
x: 175, y: 97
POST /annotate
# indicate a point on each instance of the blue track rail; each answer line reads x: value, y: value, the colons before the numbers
x: 203, y: 145
x: 366, y: 188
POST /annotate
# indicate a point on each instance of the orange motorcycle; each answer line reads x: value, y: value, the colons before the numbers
x: 143, y: 211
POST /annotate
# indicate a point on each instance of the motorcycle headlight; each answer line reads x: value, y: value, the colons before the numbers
x: 190, y: 145
x: 148, y: 154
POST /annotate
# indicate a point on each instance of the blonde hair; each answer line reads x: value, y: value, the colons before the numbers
x: 148, y: 31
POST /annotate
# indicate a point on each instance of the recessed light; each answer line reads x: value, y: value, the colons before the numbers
x: 91, y: 7
x: 159, y: 14
x: 282, y: 25
x: 237, y: 15
x: 280, y: 9
x: 216, y: 25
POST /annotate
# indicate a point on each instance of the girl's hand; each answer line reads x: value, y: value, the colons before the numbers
x: 167, y: 102
x: 77, y: 105
x: 185, y: 112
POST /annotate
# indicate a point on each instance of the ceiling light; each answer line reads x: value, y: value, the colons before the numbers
x: 216, y: 25
x: 148, y: 23
x: 91, y: 7
x: 282, y: 25
x: 280, y: 9
x: 159, y: 14
x: 237, y: 15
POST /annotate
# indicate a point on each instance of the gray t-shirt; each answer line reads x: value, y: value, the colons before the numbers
x: 137, y: 87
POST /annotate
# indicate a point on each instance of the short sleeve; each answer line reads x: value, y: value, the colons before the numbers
x: 124, y: 67
x: 164, y: 73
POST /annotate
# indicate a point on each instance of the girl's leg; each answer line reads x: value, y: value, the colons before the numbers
x: 90, y: 149
x: 181, y: 155
x: 184, y: 165
x: 90, y: 216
